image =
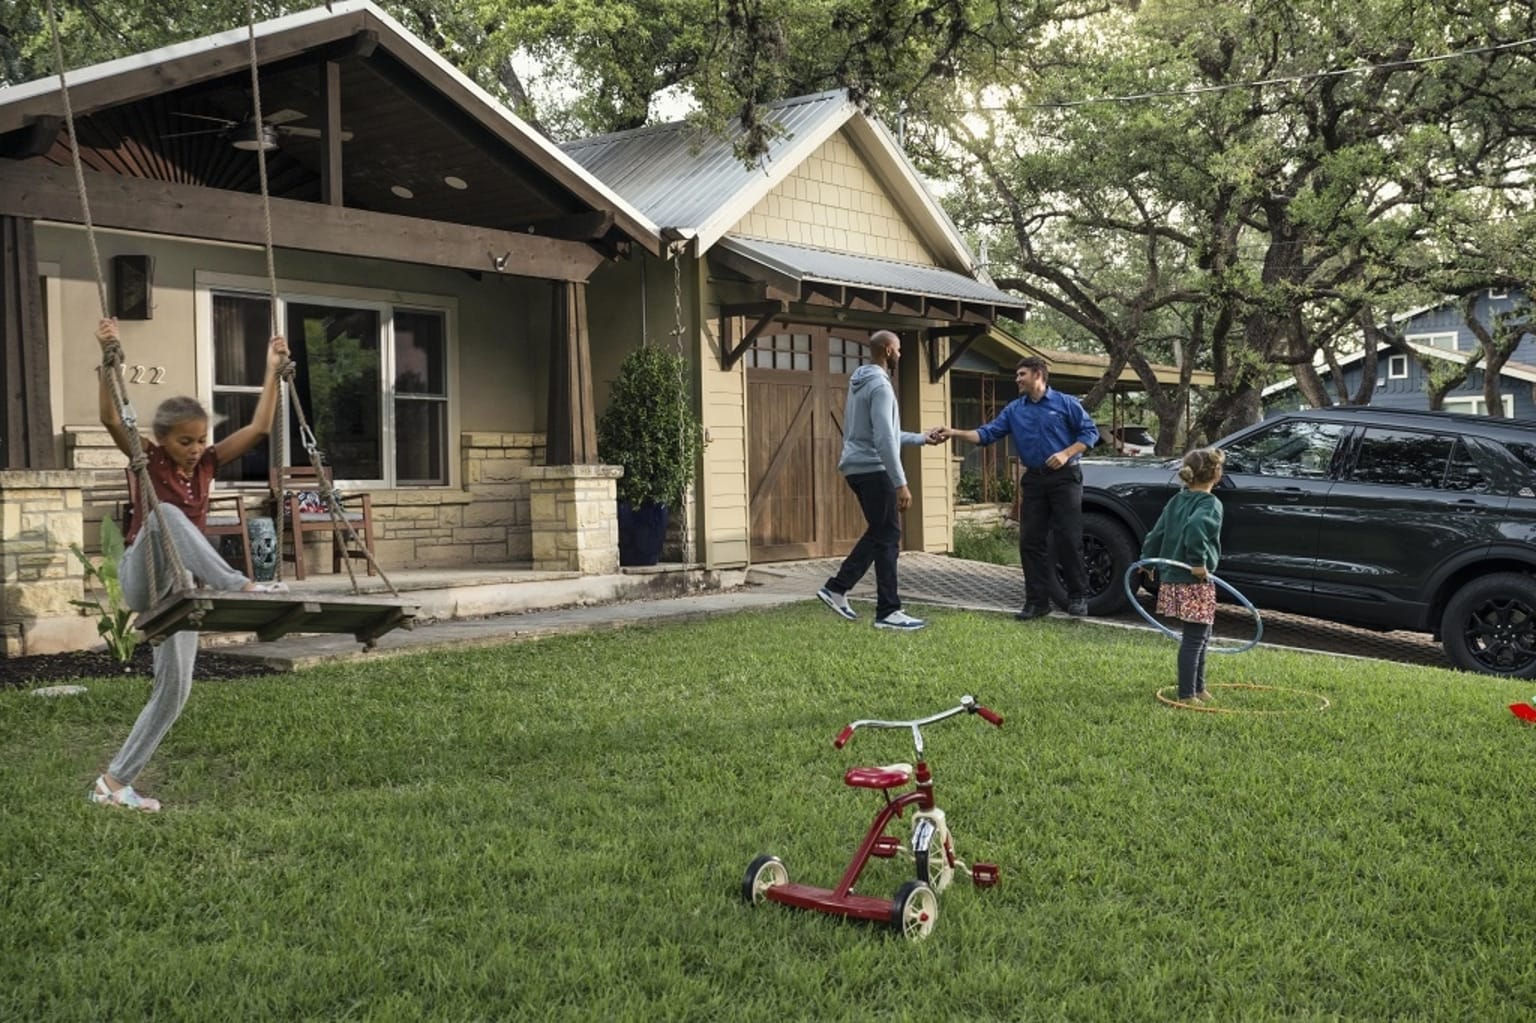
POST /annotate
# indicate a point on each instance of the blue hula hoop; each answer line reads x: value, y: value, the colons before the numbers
x: 1130, y: 592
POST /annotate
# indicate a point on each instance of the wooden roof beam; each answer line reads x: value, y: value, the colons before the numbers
x: 45, y: 192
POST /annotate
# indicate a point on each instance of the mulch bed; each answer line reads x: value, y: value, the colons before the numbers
x: 54, y: 669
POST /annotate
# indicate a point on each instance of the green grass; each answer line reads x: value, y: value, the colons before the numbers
x: 996, y: 544
x: 559, y: 831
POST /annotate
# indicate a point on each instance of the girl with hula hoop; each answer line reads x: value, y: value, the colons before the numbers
x: 1189, y: 531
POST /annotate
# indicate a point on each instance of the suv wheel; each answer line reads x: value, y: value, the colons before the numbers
x: 1107, y: 552
x: 1490, y: 626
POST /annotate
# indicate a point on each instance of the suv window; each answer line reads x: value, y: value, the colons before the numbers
x: 1295, y: 449
x: 1404, y: 458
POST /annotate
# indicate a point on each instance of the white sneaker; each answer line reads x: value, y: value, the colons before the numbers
x: 268, y: 588
x: 838, y: 602
x: 899, y: 619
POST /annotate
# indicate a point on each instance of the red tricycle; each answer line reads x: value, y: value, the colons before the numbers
x: 915, y: 908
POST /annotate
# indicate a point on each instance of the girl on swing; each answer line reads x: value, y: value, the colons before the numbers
x: 181, y: 466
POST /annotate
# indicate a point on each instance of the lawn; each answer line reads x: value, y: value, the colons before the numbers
x: 559, y: 830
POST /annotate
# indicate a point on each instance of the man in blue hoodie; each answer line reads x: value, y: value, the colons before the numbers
x: 871, y: 463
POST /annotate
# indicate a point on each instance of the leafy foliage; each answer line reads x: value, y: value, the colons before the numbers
x: 649, y: 428
x: 114, y: 619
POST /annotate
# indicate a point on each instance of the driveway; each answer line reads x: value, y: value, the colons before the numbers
x: 939, y: 579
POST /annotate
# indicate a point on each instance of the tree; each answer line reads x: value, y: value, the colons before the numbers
x: 1262, y: 175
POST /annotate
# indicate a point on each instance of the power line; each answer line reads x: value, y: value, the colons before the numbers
x: 1395, y: 65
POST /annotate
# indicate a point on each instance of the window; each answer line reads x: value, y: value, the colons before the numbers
x: 1397, y: 367
x: 1442, y: 339
x: 1477, y: 406
x: 1464, y: 474
x: 781, y: 351
x: 1498, y: 292
x: 371, y: 379
x: 1405, y: 458
x: 847, y: 355
x: 1295, y: 449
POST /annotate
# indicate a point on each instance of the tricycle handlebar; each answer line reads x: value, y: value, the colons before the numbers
x: 968, y: 705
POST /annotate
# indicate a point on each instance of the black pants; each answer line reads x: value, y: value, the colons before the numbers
x: 1051, y: 502
x: 881, y: 542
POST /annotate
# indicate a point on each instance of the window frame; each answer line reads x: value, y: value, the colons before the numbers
x: 383, y: 302
x: 1473, y: 404
x: 1428, y: 340
x: 1395, y: 361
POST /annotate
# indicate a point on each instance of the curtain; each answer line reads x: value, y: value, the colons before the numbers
x: 26, y: 433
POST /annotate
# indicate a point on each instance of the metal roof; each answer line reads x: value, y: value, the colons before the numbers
x: 679, y: 176
x: 804, y: 263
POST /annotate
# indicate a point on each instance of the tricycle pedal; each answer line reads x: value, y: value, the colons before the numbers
x: 886, y: 846
x: 984, y: 875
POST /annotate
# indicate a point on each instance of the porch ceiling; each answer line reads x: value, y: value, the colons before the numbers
x: 1072, y: 372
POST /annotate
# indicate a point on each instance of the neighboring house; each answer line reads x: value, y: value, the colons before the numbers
x: 784, y: 270
x: 431, y: 264
x: 1436, y: 333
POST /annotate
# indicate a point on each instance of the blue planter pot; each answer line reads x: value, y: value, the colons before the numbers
x: 642, y: 531
x: 263, y: 534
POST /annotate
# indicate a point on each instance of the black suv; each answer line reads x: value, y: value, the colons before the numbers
x: 1424, y: 521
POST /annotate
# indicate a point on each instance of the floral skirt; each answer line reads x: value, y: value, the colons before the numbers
x: 1189, y: 602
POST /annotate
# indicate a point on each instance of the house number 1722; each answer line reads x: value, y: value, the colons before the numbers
x: 146, y: 374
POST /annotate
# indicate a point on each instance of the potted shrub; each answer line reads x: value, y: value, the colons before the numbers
x: 649, y: 428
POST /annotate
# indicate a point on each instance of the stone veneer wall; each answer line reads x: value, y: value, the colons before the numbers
x: 486, y: 521
x: 39, y: 519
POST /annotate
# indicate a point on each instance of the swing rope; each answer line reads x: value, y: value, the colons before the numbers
x: 340, y: 524
x: 112, y: 354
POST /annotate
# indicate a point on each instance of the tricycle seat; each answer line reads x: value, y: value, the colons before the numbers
x: 888, y: 777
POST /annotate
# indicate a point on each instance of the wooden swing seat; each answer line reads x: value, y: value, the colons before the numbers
x: 273, y: 615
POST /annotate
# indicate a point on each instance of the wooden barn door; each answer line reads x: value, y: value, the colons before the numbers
x: 797, y: 381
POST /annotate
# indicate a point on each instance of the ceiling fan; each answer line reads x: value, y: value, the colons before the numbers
x: 246, y: 135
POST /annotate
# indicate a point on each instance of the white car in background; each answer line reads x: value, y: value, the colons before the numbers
x: 1127, y: 440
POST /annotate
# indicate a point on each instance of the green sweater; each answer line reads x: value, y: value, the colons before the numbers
x: 1188, y: 530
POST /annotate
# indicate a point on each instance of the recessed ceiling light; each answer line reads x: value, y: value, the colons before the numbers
x: 402, y: 191
x: 455, y: 182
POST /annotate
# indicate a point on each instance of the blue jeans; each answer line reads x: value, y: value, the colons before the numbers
x: 1197, y: 635
x: 880, y: 544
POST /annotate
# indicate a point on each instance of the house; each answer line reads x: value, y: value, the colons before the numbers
x: 459, y: 293
x: 779, y: 272
x: 431, y: 259
x: 1437, y: 333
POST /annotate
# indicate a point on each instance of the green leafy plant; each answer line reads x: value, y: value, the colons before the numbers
x: 114, y: 618
x: 973, y: 489
x: 650, y: 429
x: 994, y: 544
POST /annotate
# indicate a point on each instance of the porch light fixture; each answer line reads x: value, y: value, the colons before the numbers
x: 402, y: 191
x: 453, y: 181
x: 253, y: 139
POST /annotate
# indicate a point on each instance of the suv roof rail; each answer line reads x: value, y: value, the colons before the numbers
x: 1416, y: 413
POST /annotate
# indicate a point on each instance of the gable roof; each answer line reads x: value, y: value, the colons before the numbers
x: 694, y: 184
x: 1514, y: 370
x: 316, y: 33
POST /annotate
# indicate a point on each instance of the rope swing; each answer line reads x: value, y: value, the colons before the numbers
x: 181, y: 605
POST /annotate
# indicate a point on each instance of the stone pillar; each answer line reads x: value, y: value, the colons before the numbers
x: 40, y: 516
x: 575, y: 517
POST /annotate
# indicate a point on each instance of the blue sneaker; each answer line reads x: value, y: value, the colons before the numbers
x: 838, y: 602
x: 899, y: 619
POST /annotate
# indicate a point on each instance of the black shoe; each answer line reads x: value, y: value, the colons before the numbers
x: 1029, y: 612
x: 1078, y: 608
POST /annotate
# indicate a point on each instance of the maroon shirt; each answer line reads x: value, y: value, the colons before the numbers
x: 171, y: 487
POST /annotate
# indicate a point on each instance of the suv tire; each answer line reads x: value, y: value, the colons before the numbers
x: 1108, y: 551
x: 1490, y: 626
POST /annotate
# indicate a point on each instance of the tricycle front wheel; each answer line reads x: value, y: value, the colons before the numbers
x: 915, y: 910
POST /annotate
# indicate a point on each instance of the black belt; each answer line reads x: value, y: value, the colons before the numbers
x: 1038, y: 469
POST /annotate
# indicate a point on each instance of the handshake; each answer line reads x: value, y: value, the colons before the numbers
x: 940, y: 434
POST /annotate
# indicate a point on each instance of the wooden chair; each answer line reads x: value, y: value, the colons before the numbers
x: 298, y: 488
x: 226, y: 517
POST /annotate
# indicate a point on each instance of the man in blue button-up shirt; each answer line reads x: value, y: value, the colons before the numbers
x: 1050, y: 431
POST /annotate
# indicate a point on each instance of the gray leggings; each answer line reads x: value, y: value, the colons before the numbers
x: 177, y: 653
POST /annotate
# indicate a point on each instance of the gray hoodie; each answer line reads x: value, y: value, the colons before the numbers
x: 872, y: 435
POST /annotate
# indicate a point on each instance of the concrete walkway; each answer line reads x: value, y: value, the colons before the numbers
x: 926, y: 579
